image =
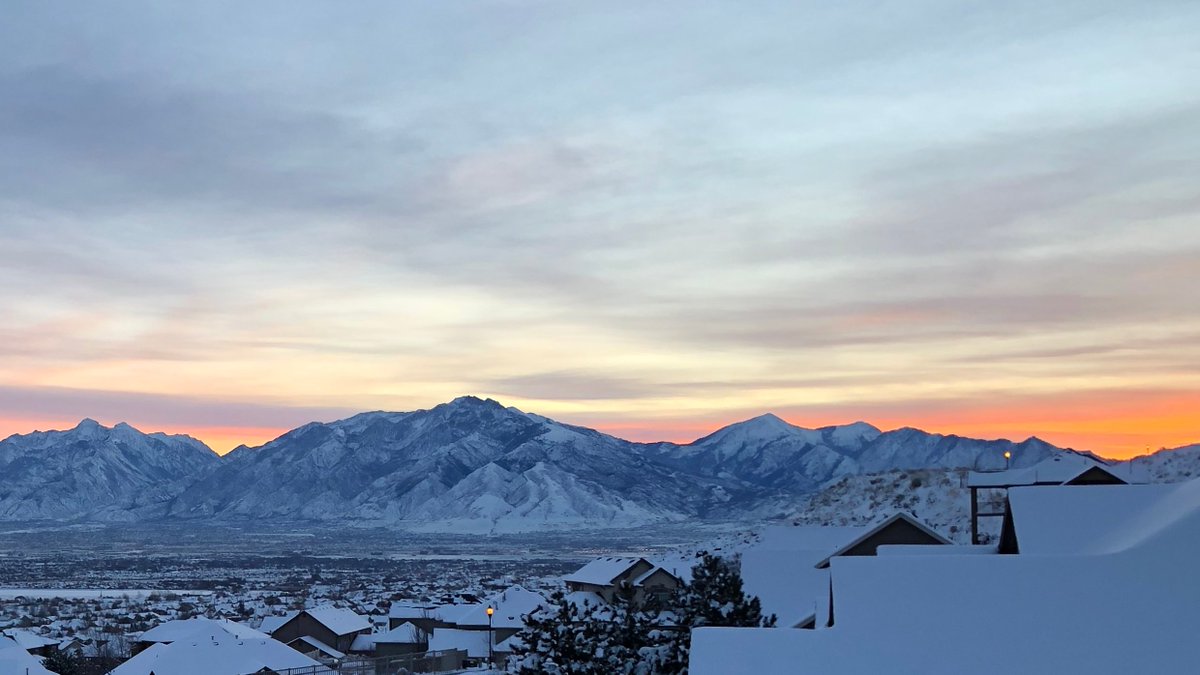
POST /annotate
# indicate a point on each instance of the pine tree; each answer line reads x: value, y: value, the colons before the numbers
x: 63, y: 663
x: 558, y: 640
x: 714, y: 597
x: 631, y: 635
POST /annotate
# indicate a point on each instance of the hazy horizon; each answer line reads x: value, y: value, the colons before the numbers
x: 225, y: 445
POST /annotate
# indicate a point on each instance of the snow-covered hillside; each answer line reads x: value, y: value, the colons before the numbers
x: 96, y: 472
x: 937, y: 496
x: 1170, y: 466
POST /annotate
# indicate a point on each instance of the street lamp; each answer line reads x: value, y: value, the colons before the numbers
x: 491, y: 637
x: 1007, y: 457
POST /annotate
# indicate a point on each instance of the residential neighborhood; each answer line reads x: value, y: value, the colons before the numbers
x: 1079, y: 541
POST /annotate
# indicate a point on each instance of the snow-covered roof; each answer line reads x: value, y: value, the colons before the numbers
x: 364, y: 642
x: 780, y: 568
x: 645, y: 576
x: 411, y: 610
x: 509, y: 644
x: 1066, y: 520
x: 223, y: 657
x: 786, y: 583
x: 14, y: 659
x: 584, y: 599
x: 405, y: 633
x: 459, y: 613
x: 340, y: 621
x: 1054, y: 470
x: 200, y: 629
x: 883, y: 525
x: 1120, y: 607
x: 315, y: 644
x: 270, y: 624
x: 473, y: 642
x: 510, y: 607
x: 27, y: 639
x: 603, y: 571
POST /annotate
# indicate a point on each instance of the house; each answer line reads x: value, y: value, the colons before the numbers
x: 1065, y: 468
x: 607, y: 576
x: 407, y: 638
x: 1097, y: 584
x: 471, y: 645
x: 900, y: 528
x: 334, y: 627
x: 71, y: 646
x: 509, y: 609
x: 788, y: 568
x: 223, y: 656
x: 317, y: 650
x: 272, y: 623
x: 14, y: 659
x: 364, y: 643
x: 604, y: 576
x: 658, y: 583
x: 425, y: 616
x: 195, y: 629
x: 32, y: 642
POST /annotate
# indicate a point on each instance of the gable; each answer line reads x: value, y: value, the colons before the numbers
x: 899, y: 531
x: 1097, y: 475
x: 900, y: 528
x: 638, y: 569
x: 659, y: 577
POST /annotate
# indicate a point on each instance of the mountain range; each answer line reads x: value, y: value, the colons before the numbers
x: 469, y: 465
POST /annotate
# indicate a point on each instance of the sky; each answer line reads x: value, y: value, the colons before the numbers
x: 228, y: 219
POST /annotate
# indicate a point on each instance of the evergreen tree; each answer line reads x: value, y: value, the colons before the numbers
x: 63, y: 663
x: 557, y: 640
x: 714, y: 597
x: 632, y: 636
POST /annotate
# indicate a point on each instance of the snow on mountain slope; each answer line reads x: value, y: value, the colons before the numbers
x: 937, y: 496
x: 474, y: 465
x: 468, y: 463
x: 1169, y: 465
x: 96, y: 472
x: 768, y: 451
x: 940, y: 498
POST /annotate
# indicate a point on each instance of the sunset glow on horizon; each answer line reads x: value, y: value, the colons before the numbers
x: 969, y: 222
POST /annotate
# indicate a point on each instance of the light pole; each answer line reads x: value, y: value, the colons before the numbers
x: 1007, y: 458
x: 491, y: 638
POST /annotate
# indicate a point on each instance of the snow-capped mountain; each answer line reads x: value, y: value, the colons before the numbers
x: 770, y: 452
x: 469, y: 464
x: 473, y: 464
x: 96, y: 472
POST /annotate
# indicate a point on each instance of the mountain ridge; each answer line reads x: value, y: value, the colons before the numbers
x: 472, y: 464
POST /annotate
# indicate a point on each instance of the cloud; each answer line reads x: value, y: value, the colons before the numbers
x: 156, y: 411
x: 575, y: 386
x: 574, y: 204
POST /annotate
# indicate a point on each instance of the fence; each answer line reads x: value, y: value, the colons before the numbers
x: 446, y: 661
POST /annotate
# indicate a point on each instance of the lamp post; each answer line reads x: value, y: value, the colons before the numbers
x: 1007, y: 458
x: 491, y: 637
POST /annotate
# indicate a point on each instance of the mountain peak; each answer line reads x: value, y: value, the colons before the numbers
x: 471, y: 400
x: 765, y: 421
x: 88, y: 428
